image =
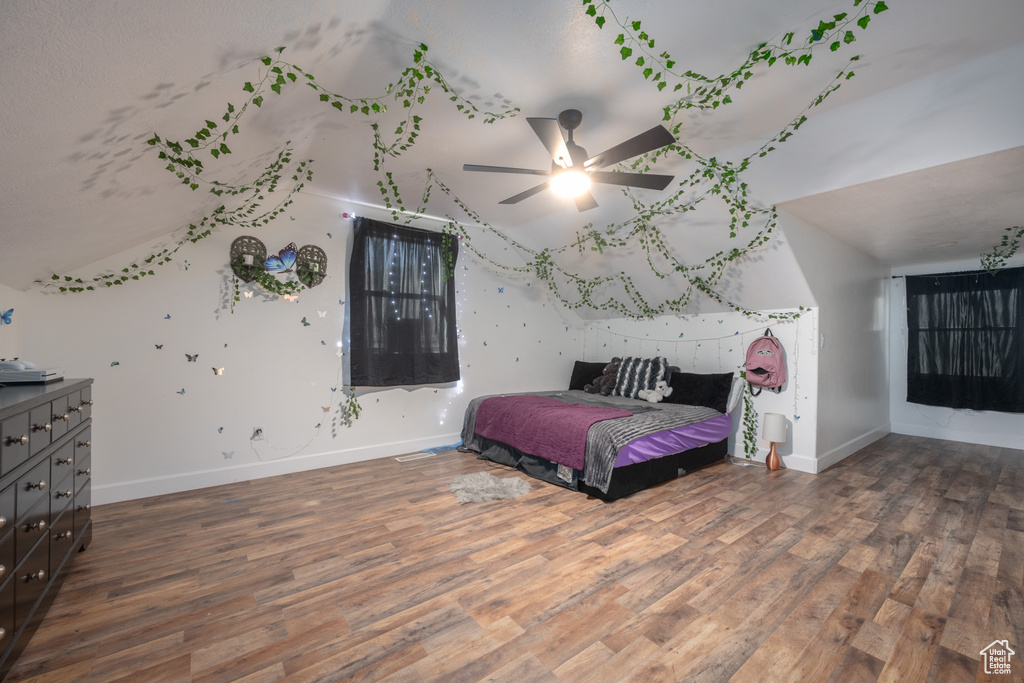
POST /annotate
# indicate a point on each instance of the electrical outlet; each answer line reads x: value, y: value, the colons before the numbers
x: 257, y: 434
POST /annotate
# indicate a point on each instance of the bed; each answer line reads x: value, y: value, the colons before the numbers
x: 606, y: 446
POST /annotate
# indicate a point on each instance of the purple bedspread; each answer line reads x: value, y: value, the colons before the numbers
x: 541, y: 426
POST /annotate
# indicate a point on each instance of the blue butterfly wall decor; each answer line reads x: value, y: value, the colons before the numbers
x: 5, y: 317
x: 285, y: 259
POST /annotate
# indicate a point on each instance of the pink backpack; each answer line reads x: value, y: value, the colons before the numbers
x: 766, y: 368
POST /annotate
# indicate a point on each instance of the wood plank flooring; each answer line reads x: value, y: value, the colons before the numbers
x: 899, y: 564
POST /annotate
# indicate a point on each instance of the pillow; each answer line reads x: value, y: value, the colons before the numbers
x: 693, y: 389
x: 584, y: 373
x: 638, y: 373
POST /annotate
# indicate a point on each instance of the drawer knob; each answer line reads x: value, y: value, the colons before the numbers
x: 87, y: 403
x: 83, y: 508
x: 3, y: 570
x: 3, y: 632
x: 39, y: 485
x: 3, y: 521
x: 36, y: 576
x: 62, y: 536
x: 64, y: 417
x: 41, y: 525
x: 77, y: 409
x: 85, y: 444
x: 42, y: 428
x: 86, y: 472
x: 16, y: 441
x: 64, y: 461
x: 62, y: 494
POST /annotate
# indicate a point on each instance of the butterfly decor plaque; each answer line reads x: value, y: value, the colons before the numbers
x: 250, y: 261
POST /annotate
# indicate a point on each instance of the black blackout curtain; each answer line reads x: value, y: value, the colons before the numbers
x: 401, y: 306
x: 965, y: 340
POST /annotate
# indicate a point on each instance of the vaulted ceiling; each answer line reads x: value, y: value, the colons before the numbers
x: 914, y: 151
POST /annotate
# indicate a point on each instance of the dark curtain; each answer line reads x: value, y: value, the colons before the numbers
x: 401, y: 306
x: 965, y: 340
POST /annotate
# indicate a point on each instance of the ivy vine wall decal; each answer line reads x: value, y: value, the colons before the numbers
x: 712, y: 178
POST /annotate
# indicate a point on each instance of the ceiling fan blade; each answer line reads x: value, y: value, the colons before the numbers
x: 551, y: 136
x: 503, y: 169
x: 523, y: 195
x: 655, y: 138
x: 650, y: 181
x: 585, y: 202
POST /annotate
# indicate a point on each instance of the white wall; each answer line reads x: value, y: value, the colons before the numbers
x: 717, y: 342
x: 851, y: 291
x: 10, y: 335
x: 151, y: 439
x: 982, y: 427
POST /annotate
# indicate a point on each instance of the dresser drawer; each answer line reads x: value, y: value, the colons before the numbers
x: 7, y: 514
x: 83, y: 509
x: 14, y: 438
x: 39, y: 427
x: 30, y: 580
x: 6, y: 612
x: 30, y: 529
x: 62, y: 535
x: 32, y: 487
x: 74, y: 409
x: 60, y: 498
x: 59, y: 418
x: 7, y: 555
x: 83, y: 448
x: 62, y: 466
x: 86, y: 403
x: 83, y: 471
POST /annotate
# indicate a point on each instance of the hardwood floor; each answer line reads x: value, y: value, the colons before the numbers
x: 899, y: 564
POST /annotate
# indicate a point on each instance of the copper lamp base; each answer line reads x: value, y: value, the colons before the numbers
x: 773, y: 461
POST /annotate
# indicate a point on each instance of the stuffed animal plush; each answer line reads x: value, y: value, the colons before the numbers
x: 660, y: 391
x: 605, y: 384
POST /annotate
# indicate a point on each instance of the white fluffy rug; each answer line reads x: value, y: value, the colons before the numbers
x: 481, y: 486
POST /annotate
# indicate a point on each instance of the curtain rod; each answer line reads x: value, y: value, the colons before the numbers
x: 951, y: 273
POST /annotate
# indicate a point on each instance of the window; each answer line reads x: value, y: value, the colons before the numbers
x: 401, y: 306
x: 965, y: 340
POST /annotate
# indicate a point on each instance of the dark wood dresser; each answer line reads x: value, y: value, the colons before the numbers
x: 45, y: 468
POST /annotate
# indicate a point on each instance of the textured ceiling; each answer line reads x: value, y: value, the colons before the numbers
x: 87, y: 83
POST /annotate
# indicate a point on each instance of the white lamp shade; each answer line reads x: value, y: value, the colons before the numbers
x: 774, y: 427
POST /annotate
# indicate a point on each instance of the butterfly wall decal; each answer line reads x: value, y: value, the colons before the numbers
x: 113, y: 363
x: 322, y: 314
x: 326, y: 409
x: 285, y: 259
x: 182, y: 392
x: 192, y: 358
x: 220, y: 430
x: 158, y: 346
x: 5, y: 317
x: 248, y: 295
x: 227, y: 454
x: 218, y: 371
x: 167, y: 317
x: 304, y: 321
x: 291, y: 297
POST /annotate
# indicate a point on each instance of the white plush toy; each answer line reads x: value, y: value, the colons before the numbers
x: 660, y: 391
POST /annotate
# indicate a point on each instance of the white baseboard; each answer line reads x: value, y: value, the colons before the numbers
x: 793, y: 461
x: 144, y: 488
x: 847, y: 449
x: 980, y: 438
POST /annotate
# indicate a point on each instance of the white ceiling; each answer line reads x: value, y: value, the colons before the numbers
x: 86, y: 83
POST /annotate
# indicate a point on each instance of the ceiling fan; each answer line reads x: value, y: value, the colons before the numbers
x: 572, y: 170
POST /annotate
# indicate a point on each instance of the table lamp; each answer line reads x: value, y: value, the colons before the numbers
x: 774, y: 431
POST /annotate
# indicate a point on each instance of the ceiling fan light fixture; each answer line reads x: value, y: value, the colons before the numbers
x: 570, y: 183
